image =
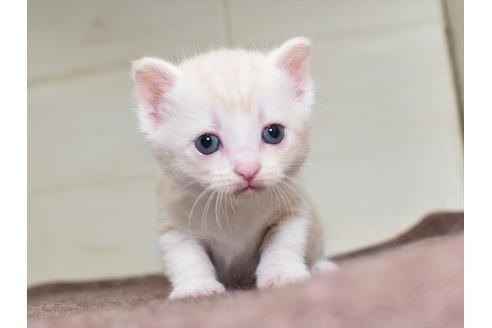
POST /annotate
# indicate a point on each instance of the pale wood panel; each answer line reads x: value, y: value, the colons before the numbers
x: 262, y: 23
x: 93, y: 232
x: 455, y: 24
x: 69, y: 38
x: 389, y: 142
x: 83, y: 132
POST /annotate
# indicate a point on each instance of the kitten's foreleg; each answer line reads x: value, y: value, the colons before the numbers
x: 187, y: 265
x: 283, y: 253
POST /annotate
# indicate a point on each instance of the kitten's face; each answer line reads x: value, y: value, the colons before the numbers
x: 231, y: 121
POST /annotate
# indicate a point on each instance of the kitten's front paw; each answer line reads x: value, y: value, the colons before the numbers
x: 198, y: 288
x: 278, y: 276
x: 324, y: 266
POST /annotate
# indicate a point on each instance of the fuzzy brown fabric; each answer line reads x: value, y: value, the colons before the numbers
x: 416, y: 285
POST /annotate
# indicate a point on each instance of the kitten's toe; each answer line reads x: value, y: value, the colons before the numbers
x: 280, y: 277
x: 197, y: 289
x: 324, y: 266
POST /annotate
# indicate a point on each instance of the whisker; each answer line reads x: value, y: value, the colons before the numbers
x: 178, y: 192
x: 298, y: 194
x: 217, y: 211
x: 232, y: 202
x: 281, y: 196
x: 285, y: 193
x: 305, y: 187
x: 205, y: 211
x: 196, y: 202
x: 310, y: 164
x: 225, y: 212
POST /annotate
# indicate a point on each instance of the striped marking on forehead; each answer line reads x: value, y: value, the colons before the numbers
x: 230, y: 82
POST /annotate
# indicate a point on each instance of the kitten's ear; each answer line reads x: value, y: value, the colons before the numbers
x: 153, y: 79
x: 294, y: 56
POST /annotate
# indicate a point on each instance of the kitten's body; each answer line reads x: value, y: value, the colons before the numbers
x: 233, y: 214
x: 233, y: 232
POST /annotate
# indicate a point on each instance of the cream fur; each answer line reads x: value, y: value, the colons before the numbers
x: 211, y: 236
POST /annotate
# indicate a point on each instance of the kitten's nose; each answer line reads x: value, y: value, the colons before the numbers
x: 246, y: 165
x: 247, y: 170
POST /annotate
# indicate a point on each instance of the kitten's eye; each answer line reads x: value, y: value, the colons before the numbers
x: 207, y: 143
x: 273, y: 134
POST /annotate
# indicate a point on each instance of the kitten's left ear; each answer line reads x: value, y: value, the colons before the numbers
x: 294, y: 56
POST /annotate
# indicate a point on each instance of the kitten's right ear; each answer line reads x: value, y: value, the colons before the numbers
x: 153, y: 79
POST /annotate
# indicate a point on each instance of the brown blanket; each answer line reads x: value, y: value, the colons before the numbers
x: 414, y: 280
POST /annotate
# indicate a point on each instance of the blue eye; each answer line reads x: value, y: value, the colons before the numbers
x: 207, y: 144
x: 273, y: 134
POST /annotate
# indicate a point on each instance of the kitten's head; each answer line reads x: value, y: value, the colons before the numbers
x: 232, y: 121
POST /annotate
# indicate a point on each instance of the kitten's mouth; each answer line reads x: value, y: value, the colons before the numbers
x: 248, y: 189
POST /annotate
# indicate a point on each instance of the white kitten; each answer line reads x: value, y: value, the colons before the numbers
x: 230, y: 129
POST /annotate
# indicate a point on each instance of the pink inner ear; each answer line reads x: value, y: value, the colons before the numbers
x: 152, y: 84
x: 296, y: 62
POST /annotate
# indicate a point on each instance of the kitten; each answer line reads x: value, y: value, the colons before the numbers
x: 230, y: 130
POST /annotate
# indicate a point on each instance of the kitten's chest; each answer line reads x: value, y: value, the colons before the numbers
x: 232, y: 236
x: 234, y: 248
x: 236, y: 257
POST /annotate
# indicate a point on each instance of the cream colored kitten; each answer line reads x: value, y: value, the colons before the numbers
x: 230, y: 130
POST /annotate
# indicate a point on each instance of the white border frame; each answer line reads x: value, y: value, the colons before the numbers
x: 13, y: 179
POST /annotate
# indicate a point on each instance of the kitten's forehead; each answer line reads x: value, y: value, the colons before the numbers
x: 230, y: 78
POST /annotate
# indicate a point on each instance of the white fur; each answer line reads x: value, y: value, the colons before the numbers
x: 282, y: 258
x: 212, y: 236
x: 187, y: 266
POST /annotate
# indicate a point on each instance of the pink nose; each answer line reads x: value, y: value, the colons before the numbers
x: 246, y: 164
x: 247, y: 170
